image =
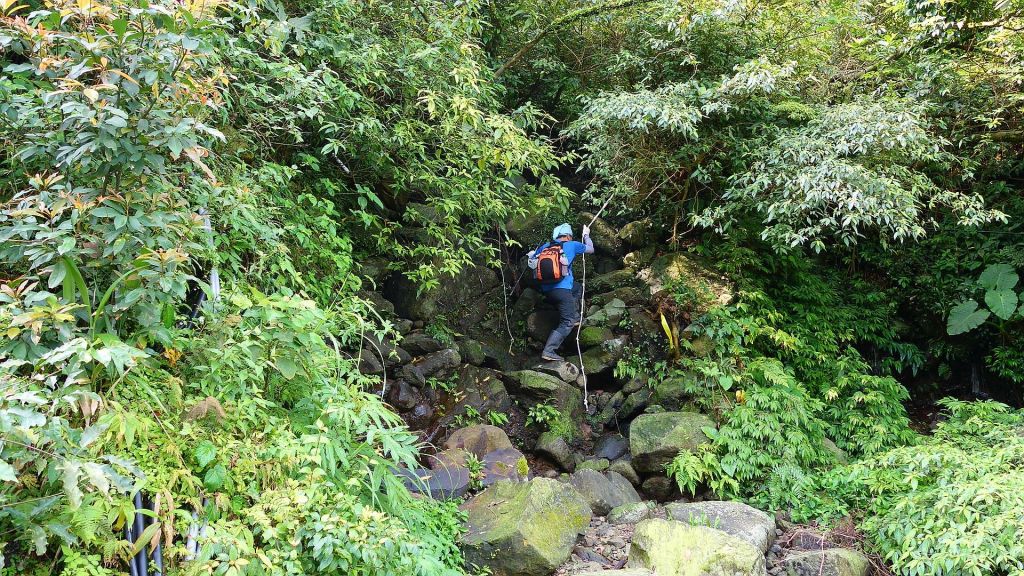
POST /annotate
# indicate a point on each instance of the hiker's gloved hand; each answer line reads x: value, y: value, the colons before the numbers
x: 586, y: 230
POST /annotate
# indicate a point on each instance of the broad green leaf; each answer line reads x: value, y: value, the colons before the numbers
x: 287, y: 366
x: 204, y: 453
x: 1002, y: 303
x: 965, y: 317
x: 7, y: 472
x: 214, y: 478
x: 998, y: 277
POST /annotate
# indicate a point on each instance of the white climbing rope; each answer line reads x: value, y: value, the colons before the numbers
x: 583, y: 307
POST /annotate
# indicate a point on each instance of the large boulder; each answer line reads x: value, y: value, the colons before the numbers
x: 705, y: 288
x: 655, y: 439
x: 603, y: 492
x: 419, y: 344
x: 523, y: 528
x: 603, y: 358
x: 478, y: 388
x: 460, y: 297
x: 606, y: 238
x: 735, y: 518
x: 639, y: 233
x: 828, y: 562
x: 537, y: 387
x: 670, y: 548
x: 438, y: 362
x: 610, y: 281
x: 479, y: 440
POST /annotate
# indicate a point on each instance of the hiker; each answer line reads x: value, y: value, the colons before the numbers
x: 552, y: 266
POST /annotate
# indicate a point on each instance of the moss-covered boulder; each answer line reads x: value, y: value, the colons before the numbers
x: 595, y: 336
x: 681, y: 274
x: 535, y: 387
x: 655, y: 439
x: 610, y: 281
x: 670, y: 548
x: 735, y: 518
x: 525, y: 528
x: 631, y: 513
x: 828, y: 562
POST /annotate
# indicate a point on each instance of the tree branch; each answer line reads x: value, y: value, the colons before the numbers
x: 564, y: 20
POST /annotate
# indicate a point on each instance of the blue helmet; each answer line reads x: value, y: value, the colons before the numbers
x: 561, y: 230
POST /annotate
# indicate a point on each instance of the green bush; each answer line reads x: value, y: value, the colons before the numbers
x: 949, y: 505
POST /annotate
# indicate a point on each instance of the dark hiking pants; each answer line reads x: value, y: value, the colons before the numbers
x: 568, y: 303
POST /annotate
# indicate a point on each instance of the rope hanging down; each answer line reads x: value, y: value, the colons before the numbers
x: 583, y: 307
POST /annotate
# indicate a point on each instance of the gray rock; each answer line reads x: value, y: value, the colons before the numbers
x: 393, y: 354
x: 630, y: 513
x: 655, y: 439
x: 440, y: 484
x: 505, y: 464
x: 419, y: 344
x: 480, y: 440
x: 634, y: 404
x: 828, y: 562
x: 370, y: 362
x: 526, y: 303
x: 564, y: 371
x: 670, y: 548
x: 523, y: 528
x: 556, y: 449
x: 539, y: 387
x: 600, y: 492
x: 634, y: 384
x: 413, y: 375
x: 403, y: 395
x: 625, y: 469
x: 611, y: 446
x: 603, y: 358
x: 458, y: 298
x: 735, y: 518
x: 438, y: 362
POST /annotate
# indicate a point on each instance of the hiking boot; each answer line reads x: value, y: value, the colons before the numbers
x: 551, y: 356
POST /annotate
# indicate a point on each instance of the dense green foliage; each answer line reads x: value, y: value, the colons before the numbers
x: 854, y: 167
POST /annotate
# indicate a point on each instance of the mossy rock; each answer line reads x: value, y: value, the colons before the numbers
x: 735, y: 518
x: 670, y: 548
x: 523, y: 528
x: 599, y: 464
x: 655, y: 439
x: 611, y: 281
x: 681, y: 275
x: 595, y: 336
x: 829, y: 562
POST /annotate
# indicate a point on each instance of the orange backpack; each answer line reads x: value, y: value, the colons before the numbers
x: 552, y: 265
